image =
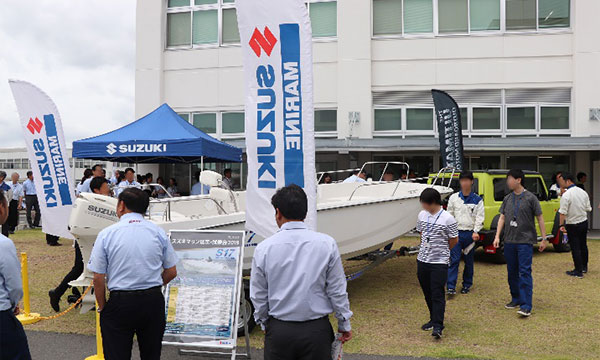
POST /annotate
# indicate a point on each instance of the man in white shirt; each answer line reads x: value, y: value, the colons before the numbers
x: 128, y: 182
x: 97, y: 171
x: 227, y: 181
x: 357, y: 176
x: 15, y: 203
x: 574, y: 208
x: 468, y: 210
x: 199, y: 188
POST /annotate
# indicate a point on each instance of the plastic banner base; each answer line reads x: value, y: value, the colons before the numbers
x: 30, y: 318
x: 95, y: 357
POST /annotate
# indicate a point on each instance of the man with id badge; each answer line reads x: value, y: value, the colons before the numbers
x: 518, y: 212
x: 439, y: 234
x: 468, y: 210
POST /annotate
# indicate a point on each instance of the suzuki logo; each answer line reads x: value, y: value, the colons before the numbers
x: 266, y: 42
x: 111, y: 148
x: 34, y: 126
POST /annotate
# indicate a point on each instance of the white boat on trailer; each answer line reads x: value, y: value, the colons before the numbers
x: 362, y: 216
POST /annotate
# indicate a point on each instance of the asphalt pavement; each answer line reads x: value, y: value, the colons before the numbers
x: 55, y: 346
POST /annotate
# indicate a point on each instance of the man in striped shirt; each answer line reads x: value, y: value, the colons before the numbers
x: 439, y: 234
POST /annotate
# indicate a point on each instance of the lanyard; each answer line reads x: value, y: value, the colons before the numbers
x: 516, y: 204
x: 430, y: 225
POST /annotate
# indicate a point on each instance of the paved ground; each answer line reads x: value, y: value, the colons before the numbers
x: 54, y: 346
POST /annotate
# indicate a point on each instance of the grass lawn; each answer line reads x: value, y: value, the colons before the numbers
x: 389, y: 308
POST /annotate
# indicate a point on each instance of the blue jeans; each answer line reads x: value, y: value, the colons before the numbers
x: 465, y: 238
x: 518, y: 265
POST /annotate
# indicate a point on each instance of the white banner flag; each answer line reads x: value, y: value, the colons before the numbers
x: 280, y: 144
x: 48, y: 156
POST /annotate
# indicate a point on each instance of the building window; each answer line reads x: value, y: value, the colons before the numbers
x: 520, y: 14
x: 464, y: 119
x: 453, y: 16
x: 554, y: 118
x: 184, y: 116
x: 554, y: 13
x: 486, y: 118
x: 325, y: 120
x: 387, y: 17
x: 418, y: 16
x: 323, y: 18
x: 388, y: 119
x: 196, y: 23
x: 419, y: 119
x: 485, y: 15
x: 206, y: 122
x: 406, y: 17
x: 520, y: 118
x: 232, y: 123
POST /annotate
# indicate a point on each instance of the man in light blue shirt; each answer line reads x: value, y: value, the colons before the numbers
x: 135, y: 258
x: 97, y: 171
x: 31, y: 201
x: 13, y: 341
x: 15, y: 203
x: 199, y: 188
x: 129, y: 182
x: 357, y: 176
x: 297, y: 280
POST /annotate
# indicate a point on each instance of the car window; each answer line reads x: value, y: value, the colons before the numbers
x: 532, y: 183
x: 536, y: 186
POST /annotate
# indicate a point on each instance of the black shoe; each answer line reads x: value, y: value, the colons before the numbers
x: 11, y: 231
x: 524, y: 312
x: 55, y: 244
x: 437, y: 333
x: 574, y: 273
x: 427, y: 327
x: 511, y: 305
x: 465, y: 290
x: 451, y: 292
x: 584, y: 270
x: 54, y: 300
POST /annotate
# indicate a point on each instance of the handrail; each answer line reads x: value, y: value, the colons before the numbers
x: 387, y: 163
x: 320, y: 174
x: 398, y: 182
x: 443, y: 172
x: 168, y: 201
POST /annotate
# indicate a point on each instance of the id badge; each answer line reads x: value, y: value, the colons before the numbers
x: 513, y: 223
x: 425, y: 244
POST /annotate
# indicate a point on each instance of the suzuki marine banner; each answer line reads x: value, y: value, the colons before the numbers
x: 277, y: 53
x: 449, y: 128
x: 48, y: 156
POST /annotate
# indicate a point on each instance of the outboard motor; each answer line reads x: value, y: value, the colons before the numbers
x: 91, y: 213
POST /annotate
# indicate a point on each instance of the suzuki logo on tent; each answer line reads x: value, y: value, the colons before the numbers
x: 111, y: 148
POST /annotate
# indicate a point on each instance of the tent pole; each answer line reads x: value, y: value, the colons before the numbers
x: 201, y: 170
x: 190, y: 176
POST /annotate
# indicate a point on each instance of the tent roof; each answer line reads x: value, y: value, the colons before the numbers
x: 159, y: 137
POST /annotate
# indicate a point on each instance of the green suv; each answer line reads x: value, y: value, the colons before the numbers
x: 491, y: 186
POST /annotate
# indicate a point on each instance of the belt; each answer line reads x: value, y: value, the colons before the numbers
x: 300, y: 322
x: 155, y: 289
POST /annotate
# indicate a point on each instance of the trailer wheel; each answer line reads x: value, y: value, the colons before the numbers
x: 246, y: 314
x: 560, y: 247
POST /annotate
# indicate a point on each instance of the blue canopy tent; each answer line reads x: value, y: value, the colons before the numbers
x: 159, y: 137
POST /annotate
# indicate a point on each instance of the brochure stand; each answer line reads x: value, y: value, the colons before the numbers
x: 202, y: 304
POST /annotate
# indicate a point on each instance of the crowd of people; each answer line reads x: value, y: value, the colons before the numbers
x: 292, y: 306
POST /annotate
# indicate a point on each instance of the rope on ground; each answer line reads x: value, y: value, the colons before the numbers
x: 73, y: 306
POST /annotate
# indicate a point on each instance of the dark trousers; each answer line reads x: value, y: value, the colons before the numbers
x: 518, y: 265
x: 51, y: 239
x: 465, y: 238
x: 126, y: 314
x: 13, y: 341
x: 13, y: 215
x: 432, y: 278
x: 31, y: 202
x: 577, y: 234
x: 292, y: 340
x: 75, y: 272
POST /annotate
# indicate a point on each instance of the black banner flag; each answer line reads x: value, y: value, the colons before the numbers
x: 449, y: 127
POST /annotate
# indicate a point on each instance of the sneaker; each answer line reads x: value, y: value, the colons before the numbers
x: 584, y: 270
x: 465, y: 290
x: 54, y: 300
x: 437, y: 333
x: 574, y: 273
x: 524, y: 312
x: 511, y: 305
x: 427, y: 327
x: 451, y: 292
